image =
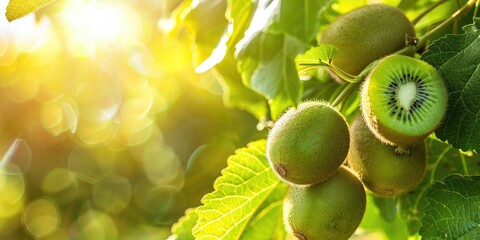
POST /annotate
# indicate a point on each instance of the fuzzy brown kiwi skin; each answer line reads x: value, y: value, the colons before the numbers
x: 308, y: 143
x: 366, y: 34
x: 332, y: 209
x: 383, y: 171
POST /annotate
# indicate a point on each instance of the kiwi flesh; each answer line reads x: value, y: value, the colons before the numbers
x: 366, y: 34
x: 404, y: 100
x: 308, y: 143
x: 330, y: 210
x: 382, y: 170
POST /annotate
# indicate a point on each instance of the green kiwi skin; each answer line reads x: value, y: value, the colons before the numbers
x: 366, y: 34
x: 308, y: 143
x: 384, y: 172
x: 390, y: 134
x: 330, y: 210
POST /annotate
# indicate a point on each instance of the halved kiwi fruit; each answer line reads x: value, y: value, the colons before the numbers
x: 404, y: 100
x: 382, y: 170
x: 330, y: 210
x: 308, y: 143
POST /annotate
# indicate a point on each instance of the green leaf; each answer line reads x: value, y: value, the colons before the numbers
x: 442, y: 161
x: 247, y: 194
x: 453, y: 209
x: 387, y: 207
x: 238, y: 15
x: 267, y: 66
x: 457, y: 59
x: 235, y: 93
x: 266, y: 53
x: 269, y: 214
x: 182, y: 230
x: 315, y: 57
x: 303, y: 22
x: 20, y: 8
x: 374, y: 222
x: 206, y: 22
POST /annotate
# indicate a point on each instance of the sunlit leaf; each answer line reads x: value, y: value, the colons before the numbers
x: 442, y: 160
x: 457, y: 59
x: 452, y: 211
x: 268, y: 221
x: 206, y: 22
x: 248, y: 193
x: 238, y: 14
x: 19, y: 8
x: 267, y: 51
x: 182, y: 230
x: 315, y: 57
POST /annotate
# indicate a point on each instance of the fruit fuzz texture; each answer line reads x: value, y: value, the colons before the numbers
x: 382, y: 171
x: 330, y: 210
x: 366, y: 34
x: 308, y: 143
x: 404, y: 100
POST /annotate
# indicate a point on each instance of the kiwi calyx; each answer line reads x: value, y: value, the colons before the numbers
x: 402, y: 151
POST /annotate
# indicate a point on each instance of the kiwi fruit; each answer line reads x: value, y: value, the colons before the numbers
x: 332, y: 209
x: 308, y: 143
x: 382, y: 170
x: 404, y: 100
x: 366, y: 34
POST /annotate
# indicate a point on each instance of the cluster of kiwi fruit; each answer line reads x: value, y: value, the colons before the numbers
x: 306, y: 148
x: 328, y: 164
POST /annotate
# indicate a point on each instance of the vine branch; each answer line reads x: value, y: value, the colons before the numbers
x: 423, y: 40
x: 427, y: 11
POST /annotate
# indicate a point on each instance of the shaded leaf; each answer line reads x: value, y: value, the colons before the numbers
x: 457, y: 59
x: 442, y: 160
x: 248, y: 192
x: 373, y: 222
x: 235, y: 93
x: 303, y: 22
x: 267, y: 66
x: 387, y: 207
x: 453, y: 209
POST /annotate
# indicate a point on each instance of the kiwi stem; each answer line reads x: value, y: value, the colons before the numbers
x: 427, y: 11
x: 344, y: 94
x: 342, y: 74
x: 423, y: 40
x: 475, y: 12
x: 339, y: 72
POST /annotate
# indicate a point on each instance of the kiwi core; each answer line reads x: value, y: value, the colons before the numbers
x: 406, y: 94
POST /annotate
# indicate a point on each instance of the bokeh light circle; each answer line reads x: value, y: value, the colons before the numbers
x: 41, y: 218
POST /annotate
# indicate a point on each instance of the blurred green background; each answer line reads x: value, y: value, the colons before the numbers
x: 106, y: 132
